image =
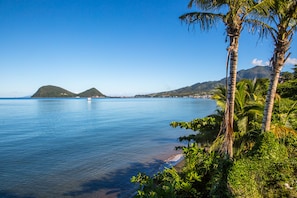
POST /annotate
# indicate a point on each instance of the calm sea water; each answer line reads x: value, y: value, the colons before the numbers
x: 77, y: 148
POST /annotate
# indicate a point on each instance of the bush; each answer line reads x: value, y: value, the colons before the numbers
x: 269, y: 170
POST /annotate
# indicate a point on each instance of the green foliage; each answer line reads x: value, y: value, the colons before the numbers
x: 269, y: 170
x: 295, y: 71
x: 207, y: 129
x: 285, y: 76
x: 169, y: 183
x: 288, y: 89
x: 265, y: 165
x: 249, y: 100
x: 248, y: 107
x: 284, y: 117
x: 244, y: 142
x: 203, y: 176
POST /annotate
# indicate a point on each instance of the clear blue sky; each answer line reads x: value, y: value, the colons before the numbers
x: 121, y: 47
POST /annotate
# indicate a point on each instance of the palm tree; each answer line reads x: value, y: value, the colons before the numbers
x: 234, y: 16
x: 283, y: 20
x: 249, y: 103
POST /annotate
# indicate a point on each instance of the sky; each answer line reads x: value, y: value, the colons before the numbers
x: 120, y: 47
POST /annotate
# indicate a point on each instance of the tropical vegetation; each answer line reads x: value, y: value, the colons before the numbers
x: 233, y: 14
x: 263, y: 165
x: 281, y: 25
x: 248, y: 147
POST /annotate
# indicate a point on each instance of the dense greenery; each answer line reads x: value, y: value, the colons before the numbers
x: 288, y: 89
x: 264, y: 164
x: 268, y: 170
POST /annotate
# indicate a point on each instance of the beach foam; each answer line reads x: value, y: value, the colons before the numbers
x: 173, y: 160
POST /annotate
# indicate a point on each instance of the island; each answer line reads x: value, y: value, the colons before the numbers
x: 50, y: 91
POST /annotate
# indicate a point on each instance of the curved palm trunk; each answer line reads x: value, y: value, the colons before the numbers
x: 277, y: 65
x: 282, y: 39
x: 229, y: 112
x: 266, y: 123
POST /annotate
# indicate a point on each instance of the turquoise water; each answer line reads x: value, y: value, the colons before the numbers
x: 78, y: 148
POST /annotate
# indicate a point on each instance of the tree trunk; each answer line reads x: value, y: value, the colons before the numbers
x: 229, y: 112
x: 232, y: 82
x: 271, y: 93
x: 277, y: 62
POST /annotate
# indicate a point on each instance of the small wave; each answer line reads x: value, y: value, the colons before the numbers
x: 173, y: 160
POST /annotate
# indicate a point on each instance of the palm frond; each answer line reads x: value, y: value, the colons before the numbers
x: 242, y: 124
x: 206, y: 4
x: 244, y: 141
x: 263, y: 8
x: 281, y: 131
x: 216, y: 145
x: 254, y: 107
x: 262, y: 28
x: 204, y: 19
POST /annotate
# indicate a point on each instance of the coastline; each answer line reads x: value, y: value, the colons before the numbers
x: 180, y: 165
x: 174, y: 161
x: 177, y: 161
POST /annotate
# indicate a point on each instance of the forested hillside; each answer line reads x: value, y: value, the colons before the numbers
x: 206, y: 88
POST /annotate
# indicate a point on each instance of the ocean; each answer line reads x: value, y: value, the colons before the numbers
x: 79, y: 148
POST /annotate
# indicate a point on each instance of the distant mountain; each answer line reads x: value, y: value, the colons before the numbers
x: 50, y: 91
x: 255, y: 72
x: 93, y: 92
x: 206, y: 88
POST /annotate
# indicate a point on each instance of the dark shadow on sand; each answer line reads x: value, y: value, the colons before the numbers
x: 117, y: 182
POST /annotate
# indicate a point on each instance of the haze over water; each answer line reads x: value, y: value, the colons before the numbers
x: 76, y: 148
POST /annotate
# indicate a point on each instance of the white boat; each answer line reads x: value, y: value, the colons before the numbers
x: 89, y: 99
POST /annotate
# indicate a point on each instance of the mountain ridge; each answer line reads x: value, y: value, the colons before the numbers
x: 206, y: 88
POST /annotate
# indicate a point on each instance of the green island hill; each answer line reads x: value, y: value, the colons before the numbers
x: 51, y: 91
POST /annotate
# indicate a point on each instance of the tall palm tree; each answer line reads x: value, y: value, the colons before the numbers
x: 249, y: 103
x: 283, y: 20
x: 248, y: 112
x: 233, y: 16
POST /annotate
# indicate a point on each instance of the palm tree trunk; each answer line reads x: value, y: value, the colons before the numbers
x: 233, y: 76
x: 271, y: 93
x: 229, y: 112
x: 277, y: 65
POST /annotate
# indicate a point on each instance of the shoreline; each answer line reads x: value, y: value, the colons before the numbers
x: 176, y: 161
